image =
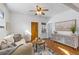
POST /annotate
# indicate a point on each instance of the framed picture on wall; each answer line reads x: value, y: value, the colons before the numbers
x: 43, y: 27
x: 64, y: 25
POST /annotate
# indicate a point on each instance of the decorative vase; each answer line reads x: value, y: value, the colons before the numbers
x: 73, y: 34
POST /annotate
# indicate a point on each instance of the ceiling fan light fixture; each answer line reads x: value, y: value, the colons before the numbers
x: 39, y: 13
x: 39, y: 10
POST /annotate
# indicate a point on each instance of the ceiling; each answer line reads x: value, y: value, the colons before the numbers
x: 54, y: 8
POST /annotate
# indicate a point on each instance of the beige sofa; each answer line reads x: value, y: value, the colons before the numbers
x: 22, y: 47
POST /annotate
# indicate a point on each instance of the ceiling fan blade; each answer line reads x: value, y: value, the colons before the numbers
x: 32, y: 10
x: 35, y: 13
x: 45, y: 9
x: 43, y: 13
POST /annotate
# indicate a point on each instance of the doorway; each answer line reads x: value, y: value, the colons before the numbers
x: 34, y: 30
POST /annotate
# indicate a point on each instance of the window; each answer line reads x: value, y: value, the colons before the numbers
x: 1, y: 14
x: 1, y: 19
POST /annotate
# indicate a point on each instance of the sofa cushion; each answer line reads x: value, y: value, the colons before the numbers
x: 6, y: 42
x: 9, y: 39
x: 3, y: 45
x: 17, y: 37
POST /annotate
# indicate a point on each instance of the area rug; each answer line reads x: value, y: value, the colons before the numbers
x: 47, y: 51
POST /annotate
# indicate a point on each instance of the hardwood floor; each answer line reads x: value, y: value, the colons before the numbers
x: 61, y: 49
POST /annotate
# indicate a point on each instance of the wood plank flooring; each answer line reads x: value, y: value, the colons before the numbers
x: 61, y: 49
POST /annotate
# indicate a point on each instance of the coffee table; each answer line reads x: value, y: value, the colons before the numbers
x: 39, y: 43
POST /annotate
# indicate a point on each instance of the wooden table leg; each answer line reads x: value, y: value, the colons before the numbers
x: 44, y: 46
x: 36, y: 47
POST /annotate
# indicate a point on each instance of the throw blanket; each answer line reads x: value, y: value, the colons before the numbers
x: 9, y: 51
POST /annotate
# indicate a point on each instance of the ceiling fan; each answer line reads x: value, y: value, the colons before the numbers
x: 39, y: 10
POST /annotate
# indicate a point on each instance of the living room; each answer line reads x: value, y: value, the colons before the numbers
x: 42, y: 22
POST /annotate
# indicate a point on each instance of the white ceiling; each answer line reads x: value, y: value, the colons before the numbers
x: 54, y: 8
x: 76, y: 4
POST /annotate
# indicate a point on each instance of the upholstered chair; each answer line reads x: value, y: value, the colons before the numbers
x: 27, y: 38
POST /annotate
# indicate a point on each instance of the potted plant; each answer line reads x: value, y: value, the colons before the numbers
x: 73, y: 28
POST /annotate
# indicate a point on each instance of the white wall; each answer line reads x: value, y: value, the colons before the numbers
x: 67, y: 15
x: 21, y: 22
x: 3, y: 31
